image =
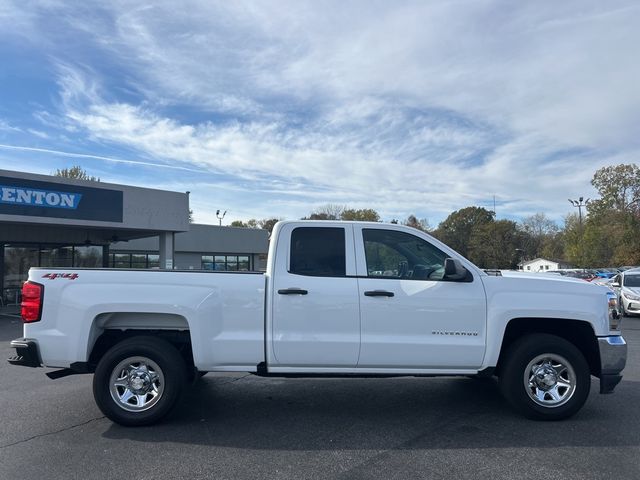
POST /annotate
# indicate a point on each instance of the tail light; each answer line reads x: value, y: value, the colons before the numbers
x: 32, y: 294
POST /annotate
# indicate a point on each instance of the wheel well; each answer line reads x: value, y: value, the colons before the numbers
x: 180, y: 339
x: 577, y: 332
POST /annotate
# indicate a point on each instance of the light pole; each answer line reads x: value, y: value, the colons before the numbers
x: 520, y: 257
x: 581, y: 202
x: 220, y: 217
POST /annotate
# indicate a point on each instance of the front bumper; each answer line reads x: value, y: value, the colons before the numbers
x: 613, y: 358
x: 27, y: 353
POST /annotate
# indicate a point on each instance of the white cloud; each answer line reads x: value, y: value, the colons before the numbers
x: 404, y: 106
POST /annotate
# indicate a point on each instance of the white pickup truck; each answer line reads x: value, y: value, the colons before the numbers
x: 338, y: 298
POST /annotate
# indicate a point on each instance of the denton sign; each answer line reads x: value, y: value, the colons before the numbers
x: 44, y: 199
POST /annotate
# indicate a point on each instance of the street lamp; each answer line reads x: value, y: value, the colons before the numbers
x: 520, y: 257
x: 219, y: 216
x: 581, y: 202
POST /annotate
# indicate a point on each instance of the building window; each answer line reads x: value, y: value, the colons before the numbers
x: 19, y: 258
x: 89, y: 256
x: 153, y: 260
x: 225, y: 263
x: 134, y: 260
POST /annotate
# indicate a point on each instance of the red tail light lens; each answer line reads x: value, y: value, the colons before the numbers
x: 31, y: 302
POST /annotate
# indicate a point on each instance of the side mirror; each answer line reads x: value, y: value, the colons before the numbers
x: 453, y: 269
x: 615, y: 284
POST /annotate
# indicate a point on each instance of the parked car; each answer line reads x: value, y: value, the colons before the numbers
x: 627, y: 285
x: 606, y: 282
x: 581, y: 274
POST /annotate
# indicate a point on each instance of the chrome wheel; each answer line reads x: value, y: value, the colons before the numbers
x: 136, y: 384
x: 550, y: 380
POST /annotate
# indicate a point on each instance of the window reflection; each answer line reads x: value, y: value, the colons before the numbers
x: 224, y: 263
x: 18, y: 259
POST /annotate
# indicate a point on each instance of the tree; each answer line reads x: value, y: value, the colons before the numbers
x: 495, y: 244
x: 361, y: 215
x: 573, y: 240
x: 457, y: 228
x: 329, y: 211
x: 539, y: 233
x: 76, y: 172
x: 342, y: 212
x: 412, y: 221
x: 252, y: 223
x: 611, y: 233
x: 268, y: 223
x: 264, y: 224
x: 619, y: 189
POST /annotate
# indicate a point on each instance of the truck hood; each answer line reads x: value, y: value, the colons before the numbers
x: 529, y: 283
x: 539, y: 295
x: 542, y: 276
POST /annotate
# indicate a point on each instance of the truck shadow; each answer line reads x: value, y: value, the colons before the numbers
x: 380, y: 414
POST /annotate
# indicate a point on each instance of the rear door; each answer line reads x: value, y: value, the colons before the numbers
x: 315, y: 316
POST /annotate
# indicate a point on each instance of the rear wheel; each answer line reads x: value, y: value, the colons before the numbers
x: 545, y: 377
x: 139, y: 380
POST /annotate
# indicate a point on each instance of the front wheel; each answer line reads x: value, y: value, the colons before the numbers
x: 139, y: 380
x: 545, y: 377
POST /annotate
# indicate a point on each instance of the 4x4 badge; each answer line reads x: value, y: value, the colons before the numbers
x: 53, y: 276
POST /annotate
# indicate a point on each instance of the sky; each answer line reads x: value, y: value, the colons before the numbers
x: 274, y: 108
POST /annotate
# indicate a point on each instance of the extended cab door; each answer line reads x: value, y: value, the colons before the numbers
x: 315, y: 310
x: 412, y: 317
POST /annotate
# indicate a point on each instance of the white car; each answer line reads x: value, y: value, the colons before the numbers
x: 627, y: 284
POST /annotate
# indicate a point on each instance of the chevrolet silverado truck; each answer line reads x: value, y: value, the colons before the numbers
x: 338, y: 299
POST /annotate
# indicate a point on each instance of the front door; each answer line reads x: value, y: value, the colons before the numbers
x: 412, y: 318
x: 315, y: 316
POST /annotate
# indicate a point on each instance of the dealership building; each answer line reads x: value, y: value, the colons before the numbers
x: 50, y: 221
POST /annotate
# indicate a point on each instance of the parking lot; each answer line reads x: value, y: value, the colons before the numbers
x: 242, y: 426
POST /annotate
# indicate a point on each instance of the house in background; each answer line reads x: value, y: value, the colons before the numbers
x: 543, y: 265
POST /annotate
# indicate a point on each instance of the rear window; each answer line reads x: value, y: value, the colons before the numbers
x: 318, y: 252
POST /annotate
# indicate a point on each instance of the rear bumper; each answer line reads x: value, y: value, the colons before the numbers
x: 27, y: 353
x: 613, y: 358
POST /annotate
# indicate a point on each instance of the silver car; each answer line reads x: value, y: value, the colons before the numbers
x: 627, y: 285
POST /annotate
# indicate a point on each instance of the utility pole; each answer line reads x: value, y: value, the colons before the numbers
x: 219, y: 216
x: 581, y: 202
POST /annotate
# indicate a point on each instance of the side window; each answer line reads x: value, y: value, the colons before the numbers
x: 392, y: 254
x: 318, y: 251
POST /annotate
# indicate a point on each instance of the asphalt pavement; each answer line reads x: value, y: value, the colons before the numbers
x: 246, y: 427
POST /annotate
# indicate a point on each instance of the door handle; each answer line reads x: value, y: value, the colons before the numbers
x: 378, y: 293
x: 292, y: 291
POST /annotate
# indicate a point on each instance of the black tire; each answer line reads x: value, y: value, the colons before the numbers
x: 150, y: 364
x: 557, y: 362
